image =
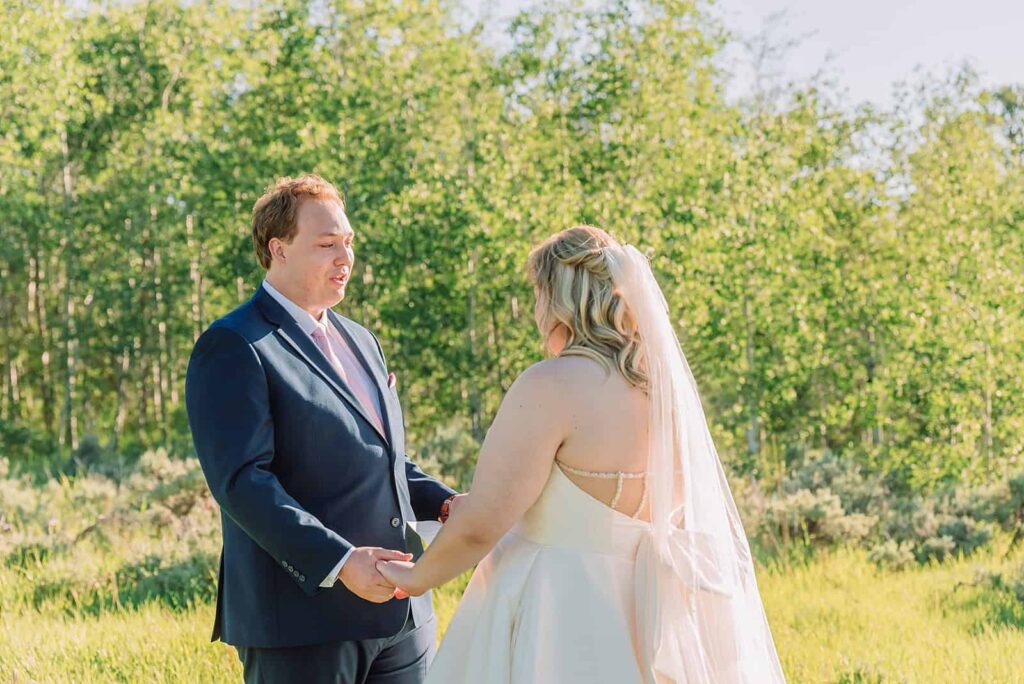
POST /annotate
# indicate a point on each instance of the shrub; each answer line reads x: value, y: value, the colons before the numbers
x: 826, y: 501
x: 451, y: 452
x: 178, y: 583
x: 816, y: 516
x: 892, y: 555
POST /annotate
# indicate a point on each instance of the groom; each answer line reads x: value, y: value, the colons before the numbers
x: 298, y: 428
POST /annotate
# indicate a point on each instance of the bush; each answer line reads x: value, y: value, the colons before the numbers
x: 892, y: 555
x: 1001, y: 594
x: 858, y: 491
x: 815, y: 516
x: 825, y: 501
x: 178, y: 584
x: 934, y: 548
x: 18, y: 501
x: 451, y: 452
x: 30, y: 553
x: 26, y: 447
x: 177, y: 485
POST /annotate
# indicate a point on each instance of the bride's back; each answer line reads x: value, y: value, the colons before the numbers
x: 590, y: 330
x: 607, y: 432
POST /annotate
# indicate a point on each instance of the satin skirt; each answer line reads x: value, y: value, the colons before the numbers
x: 566, y: 597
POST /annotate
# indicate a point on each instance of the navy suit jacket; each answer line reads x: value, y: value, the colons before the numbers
x: 301, y: 476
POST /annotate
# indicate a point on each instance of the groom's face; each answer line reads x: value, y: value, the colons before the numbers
x: 318, y: 262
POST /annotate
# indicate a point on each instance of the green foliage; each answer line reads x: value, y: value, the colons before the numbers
x: 892, y: 555
x: 1001, y: 593
x: 816, y: 517
x: 178, y: 585
x: 450, y: 453
x: 843, y: 281
x: 89, y: 544
x: 846, y: 285
x: 829, y: 501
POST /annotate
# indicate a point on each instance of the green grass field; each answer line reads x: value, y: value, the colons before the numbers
x: 105, y: 582
x: 835, y: 618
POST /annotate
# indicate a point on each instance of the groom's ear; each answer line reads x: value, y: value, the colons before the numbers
x: 276, y: 248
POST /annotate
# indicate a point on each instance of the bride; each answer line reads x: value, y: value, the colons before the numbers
x: 608, y: 542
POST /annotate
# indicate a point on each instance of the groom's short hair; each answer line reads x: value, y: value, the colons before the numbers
x: 275, y: 214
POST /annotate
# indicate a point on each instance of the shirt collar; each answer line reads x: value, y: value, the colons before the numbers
x: 305, y: 320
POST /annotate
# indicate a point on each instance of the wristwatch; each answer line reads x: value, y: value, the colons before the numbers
x: 446, y: 509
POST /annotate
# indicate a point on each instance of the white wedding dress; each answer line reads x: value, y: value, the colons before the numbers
x: 561, y: 598
x: 579, y: 592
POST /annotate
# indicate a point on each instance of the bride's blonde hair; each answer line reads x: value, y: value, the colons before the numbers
x: 571, y: 274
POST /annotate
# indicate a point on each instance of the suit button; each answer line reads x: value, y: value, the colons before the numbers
x: 302, y: 578
x: 295, y: 572
x: 284, y: 563
x: 395, y: 522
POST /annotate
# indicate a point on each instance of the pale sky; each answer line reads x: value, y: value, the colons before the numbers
x: 872, y: 43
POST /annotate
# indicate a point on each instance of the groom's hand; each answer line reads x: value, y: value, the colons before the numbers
x: 361, y: 577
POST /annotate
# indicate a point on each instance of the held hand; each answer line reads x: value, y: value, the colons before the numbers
x: 400, y: 574
x: 360, y: 575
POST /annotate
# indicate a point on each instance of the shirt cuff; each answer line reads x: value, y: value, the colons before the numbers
x: 332, y: 577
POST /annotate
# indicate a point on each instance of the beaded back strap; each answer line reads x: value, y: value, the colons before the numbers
x: 619, y: 476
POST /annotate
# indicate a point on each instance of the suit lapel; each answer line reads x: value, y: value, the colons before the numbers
x: 340, y: 325
x: 290, y: 332
x: 344, y: 326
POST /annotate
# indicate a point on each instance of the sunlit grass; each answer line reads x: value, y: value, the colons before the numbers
x: 835, y: 618
x: 151, y: 644
x: 840, y: 619
x: 99, y: 584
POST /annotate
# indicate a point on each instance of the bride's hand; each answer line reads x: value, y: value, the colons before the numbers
x: 400, y: 574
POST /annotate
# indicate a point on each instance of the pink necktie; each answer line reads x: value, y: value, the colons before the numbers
x: 357, y: 387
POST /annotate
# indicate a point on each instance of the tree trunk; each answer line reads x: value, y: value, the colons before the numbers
x: 14, y: 392
x: 754, y: 428
x: 37, y: 312
x: 157, y: 315
x: 877, y: 430
x: 476, y: 422
x: 119, y: 400
x: 195, y: 255
x: 142, y: 389
x: 8, y: 347
x: 499, y: 360
x: 987, y: 438
x: 69, y: 420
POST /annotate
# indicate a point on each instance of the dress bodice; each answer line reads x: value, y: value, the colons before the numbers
x: 566, y: 516
x: 564, y: 598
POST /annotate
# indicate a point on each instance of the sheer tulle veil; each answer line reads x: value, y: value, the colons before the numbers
x: 702, y: 619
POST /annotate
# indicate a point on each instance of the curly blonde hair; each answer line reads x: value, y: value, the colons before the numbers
x: 570, y: 271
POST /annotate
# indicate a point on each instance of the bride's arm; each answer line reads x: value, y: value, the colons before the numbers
x: 514, y: 464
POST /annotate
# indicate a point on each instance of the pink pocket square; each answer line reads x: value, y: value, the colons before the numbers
x: 392, y: 380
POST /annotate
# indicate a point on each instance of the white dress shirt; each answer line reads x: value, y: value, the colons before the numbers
x: 353, y: 369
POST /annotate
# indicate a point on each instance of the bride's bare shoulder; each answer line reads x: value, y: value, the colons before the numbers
x: 564, y: 372
x: 556, y: 388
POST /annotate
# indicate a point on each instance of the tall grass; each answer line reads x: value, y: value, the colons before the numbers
x: 840, y: 619
x: 835, y: 619
x: 104, y: 581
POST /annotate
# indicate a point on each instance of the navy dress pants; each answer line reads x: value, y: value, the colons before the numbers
x: 400, y: 659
